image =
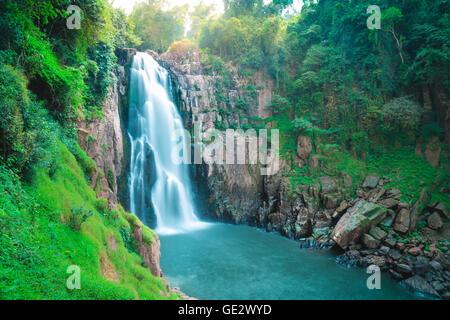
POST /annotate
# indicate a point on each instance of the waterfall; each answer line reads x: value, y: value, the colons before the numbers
x: 159, y: 188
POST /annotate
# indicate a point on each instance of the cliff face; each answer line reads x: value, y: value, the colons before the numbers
x: 238, y: 193
x: 105, y: 140
x: 322, y: 214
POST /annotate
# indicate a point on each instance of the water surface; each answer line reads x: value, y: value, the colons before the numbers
x: 226, y: 262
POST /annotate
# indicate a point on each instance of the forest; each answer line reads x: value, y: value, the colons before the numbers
x: 370, y: 101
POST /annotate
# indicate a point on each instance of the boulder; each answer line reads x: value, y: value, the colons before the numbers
x: 357, y: 221
x: 384, y: 250
x: 331, y: 200
x: 421, y: 266
x: 303, y: 230
x: 402, y: 221
x: 390, y: 242
x: 403, y: 269
x: 440, y: 207
x: 435, y: 221
x: 304, y: 147
x: 433, y: 151
x: 389, y: 203
x: 378, y: 233
x: 328, y: 184
x: 371, y: 182
x: 419, y: 284
x: 343, y: 207
x: 394, y: 254
x: 415, y: 251
x: 394, y: 193
x: 436, y: 265
x: 417, y: 209
x: 370, y: 242
x: 389, y: 220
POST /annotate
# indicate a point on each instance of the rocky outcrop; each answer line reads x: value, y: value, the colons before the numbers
x: 357, y: 221
x: 150, y: 252
x: 104, y: 138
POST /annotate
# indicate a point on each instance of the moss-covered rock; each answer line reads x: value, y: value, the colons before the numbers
x: 357, y: 221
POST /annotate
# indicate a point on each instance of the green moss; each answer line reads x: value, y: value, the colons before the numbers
x: 34, y: 261
x: 87, y: 164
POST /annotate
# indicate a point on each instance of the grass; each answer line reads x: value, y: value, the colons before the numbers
x: 409, y: 172
x: 37, y: 243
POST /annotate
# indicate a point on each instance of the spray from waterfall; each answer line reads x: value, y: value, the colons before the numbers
x: 158, y: 187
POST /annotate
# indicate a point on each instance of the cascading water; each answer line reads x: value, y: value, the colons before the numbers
x: 158, y: 186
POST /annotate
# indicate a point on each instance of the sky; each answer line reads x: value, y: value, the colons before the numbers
x: 127, y: 5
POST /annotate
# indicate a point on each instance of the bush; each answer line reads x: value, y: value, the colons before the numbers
x: 79, y: 216
x: 401, y: 113
x: 253, y: 59
x: 16, y: 143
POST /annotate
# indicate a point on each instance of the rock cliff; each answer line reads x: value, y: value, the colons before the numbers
x: 373, y: 227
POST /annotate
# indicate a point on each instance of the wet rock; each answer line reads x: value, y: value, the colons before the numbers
x: 370, y: 242
x: 402, y: 221
x: 434, y: 221
x: 371, y: 182
x: 421, y: 265
x: 438, y: 286
x: 403, y: 269
x: 394, y: 254
x: 390, y: 242
x: 384, y: 250
x: 419, y: 284
x: 375, y: 260
x: 415, y: 251
x: 397, y: 276
x: 357, y: 221
x: 436, y: 265
x: 378, y: 233
x: 389, y: 220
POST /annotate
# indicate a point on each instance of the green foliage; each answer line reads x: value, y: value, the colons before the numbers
x: 401, y: 114
x: 410, y: 173
x: 103, y: 61
x: 130, y: 242
x: 79, y: 216
x: 39, y: 240
x: 158, y: 28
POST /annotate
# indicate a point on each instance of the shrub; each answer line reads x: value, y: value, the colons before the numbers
x: 401, y: 113
x: 16, y: 143
x: 79, y: 216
